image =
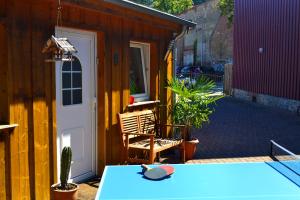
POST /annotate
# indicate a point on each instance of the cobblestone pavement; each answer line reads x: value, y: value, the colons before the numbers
x: 244, y: 129
x: 88, y: 189
x: 231, y: 160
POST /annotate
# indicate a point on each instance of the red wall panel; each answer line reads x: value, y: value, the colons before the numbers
x: 274, y: 26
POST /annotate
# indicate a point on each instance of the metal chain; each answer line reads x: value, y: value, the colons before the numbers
x: 59, y: 14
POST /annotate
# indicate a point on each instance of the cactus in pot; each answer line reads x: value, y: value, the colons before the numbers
x: 65, y: 165
x: 65, y: 190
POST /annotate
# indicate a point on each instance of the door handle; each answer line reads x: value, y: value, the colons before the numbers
x: 94, y: 104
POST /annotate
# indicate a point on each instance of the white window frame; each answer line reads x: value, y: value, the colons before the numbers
x: 145, y: 54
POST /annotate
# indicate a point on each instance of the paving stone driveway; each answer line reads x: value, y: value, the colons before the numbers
x: 243, y: 129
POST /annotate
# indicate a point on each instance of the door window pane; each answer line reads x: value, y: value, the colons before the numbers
x: 72, y: 82
x: 66, y: 97
x: 66, y: 80
x: 66, y: 67
x: 76, y: 80
x: 77, y: 96
x: 76, y: 66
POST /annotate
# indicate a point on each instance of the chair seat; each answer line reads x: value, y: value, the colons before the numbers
x: 159, y: 144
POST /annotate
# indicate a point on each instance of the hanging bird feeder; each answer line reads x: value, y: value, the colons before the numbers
x: 60, y: 49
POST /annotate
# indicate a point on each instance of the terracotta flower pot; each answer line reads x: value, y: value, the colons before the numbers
x: 190, y: 148
x: 64, y: 194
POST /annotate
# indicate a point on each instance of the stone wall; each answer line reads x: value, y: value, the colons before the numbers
x: 288, y: 104
x: 210, y: 41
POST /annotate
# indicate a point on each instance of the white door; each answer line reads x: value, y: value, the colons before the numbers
x: 76, y: 105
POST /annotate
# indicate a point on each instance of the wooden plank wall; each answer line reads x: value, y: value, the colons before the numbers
x: 27, y: 85
x: 4, y: 142
x: 3, y: 77
x: 2, y: 168
x: 2, y: 11
x: 102, y: 100
x: 20, y: 104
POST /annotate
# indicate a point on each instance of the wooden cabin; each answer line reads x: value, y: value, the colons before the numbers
x: 118, y: 43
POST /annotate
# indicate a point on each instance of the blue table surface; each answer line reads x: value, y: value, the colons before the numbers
x: 259, y: 181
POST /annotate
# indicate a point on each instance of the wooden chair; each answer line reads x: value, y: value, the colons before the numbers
x: 140, y: 131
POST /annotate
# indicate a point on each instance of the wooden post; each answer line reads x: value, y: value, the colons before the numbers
x: 151, y: 154
x: 228, y: 79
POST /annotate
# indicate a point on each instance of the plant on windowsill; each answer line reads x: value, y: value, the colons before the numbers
x: 192, y: 107
x: 133, y: 90
x: 65, y: 190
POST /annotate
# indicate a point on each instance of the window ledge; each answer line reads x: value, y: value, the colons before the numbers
x: 5, y: 128
x: 143, y: 103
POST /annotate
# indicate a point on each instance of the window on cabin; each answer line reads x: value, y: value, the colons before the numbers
x: 72, y: 82
x: 139, y: 76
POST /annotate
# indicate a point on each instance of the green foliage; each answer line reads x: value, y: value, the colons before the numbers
x: 169, y: 6
x: 192, y: 106
x: 133, y: 87
x: 172, y: 6
x: 65, y: 165
x: 227, y: 9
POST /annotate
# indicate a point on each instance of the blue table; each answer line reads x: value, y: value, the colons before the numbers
x: 243, y: 181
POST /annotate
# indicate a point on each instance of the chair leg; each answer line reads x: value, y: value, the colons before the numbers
x: 151, y: 158
x: 182, y: 152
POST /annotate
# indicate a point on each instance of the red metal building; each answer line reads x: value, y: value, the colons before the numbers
x: 266, y: 48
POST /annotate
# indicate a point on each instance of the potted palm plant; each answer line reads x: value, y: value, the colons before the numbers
x: 65, y: 190
x: 192, y: 107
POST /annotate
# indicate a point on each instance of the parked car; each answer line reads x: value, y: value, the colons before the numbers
x: 178, y: 70
x: 218, y: 68
x: 207, y: 69
x: 185, y: 70
x: 196, y: 70
x: 190, y: 70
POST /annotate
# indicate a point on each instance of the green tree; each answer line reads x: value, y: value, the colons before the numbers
x: 169, y: 6
x: 227, y: 9
x: 172, y: 6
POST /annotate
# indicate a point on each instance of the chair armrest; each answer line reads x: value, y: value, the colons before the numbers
x: 139, y: 134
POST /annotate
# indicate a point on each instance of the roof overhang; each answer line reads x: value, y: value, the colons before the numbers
x: 152, y: 11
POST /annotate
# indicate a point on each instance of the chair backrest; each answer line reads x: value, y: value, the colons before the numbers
x: 141, y: 122
x: 147, y: 121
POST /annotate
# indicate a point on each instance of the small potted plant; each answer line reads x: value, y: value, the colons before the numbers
x: 133, y: 90
x: 192, y: 107
x: 65, y: 190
